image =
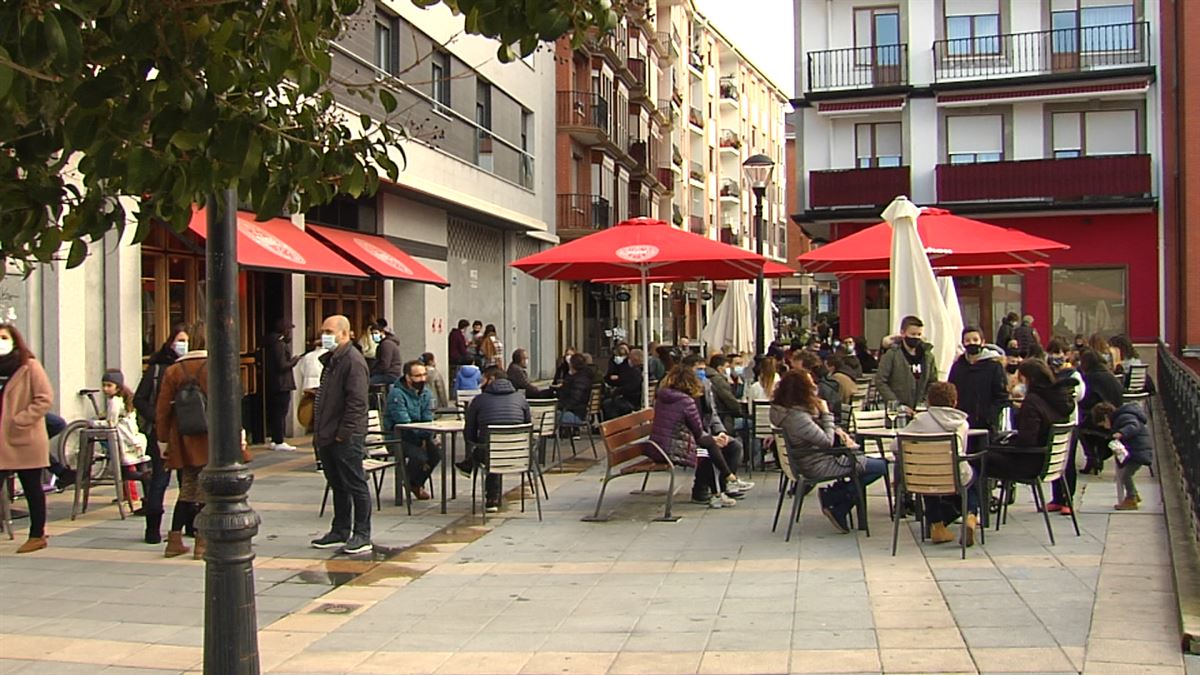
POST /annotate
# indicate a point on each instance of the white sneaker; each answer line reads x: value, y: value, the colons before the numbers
x: 714, y: 502
x: 726, y: 500
x: 740, y: 486
x: 283, y: 447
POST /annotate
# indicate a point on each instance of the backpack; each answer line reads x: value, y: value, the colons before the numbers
x: 191, y: 408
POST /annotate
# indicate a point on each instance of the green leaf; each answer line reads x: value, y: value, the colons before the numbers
x: 353, y: 182
x: 387, y: 100
x: 188, y: 140
x: 78, y: 254
x: 56, y: 41
x: 254, y: 153
x: 6, y: 75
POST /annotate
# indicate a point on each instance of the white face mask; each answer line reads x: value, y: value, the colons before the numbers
x: 849, y: 346
x: 328, y: 341
x: 180, y: 348
x: 6, y: 346
x: 618, y: 360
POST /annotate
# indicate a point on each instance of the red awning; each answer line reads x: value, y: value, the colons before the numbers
x: 279, y: 245
x: 378, y: 254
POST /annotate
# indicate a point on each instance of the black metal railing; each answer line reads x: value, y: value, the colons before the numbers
x: 583, y: 212
x: 583, y: 109
x: 858, y: 67
x: 1179, y: 392
x: 1065, y: 50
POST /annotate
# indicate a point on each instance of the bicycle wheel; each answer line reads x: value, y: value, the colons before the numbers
x: 71, y: 442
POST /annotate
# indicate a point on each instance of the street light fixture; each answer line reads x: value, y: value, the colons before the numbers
x: 758, y: 169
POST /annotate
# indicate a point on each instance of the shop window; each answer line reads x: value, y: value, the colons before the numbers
x: 972, y: 27
x: 1088, y: 301
x: 972, y: 139
x: 877, y: 144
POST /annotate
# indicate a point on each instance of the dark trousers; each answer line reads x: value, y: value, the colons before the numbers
x: 493, y: 484
x: 278, y: 405
x: 420, y: 458
x: 342, y: 465
x: 155, y: 487
x: 31, y: 483
x: 712, y: 472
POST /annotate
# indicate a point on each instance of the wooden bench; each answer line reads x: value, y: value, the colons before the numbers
x: 625, y: 439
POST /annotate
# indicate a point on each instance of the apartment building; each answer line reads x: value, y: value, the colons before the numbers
x: 1041, y: 115
x: 472, y: 197
x: 656, y: 120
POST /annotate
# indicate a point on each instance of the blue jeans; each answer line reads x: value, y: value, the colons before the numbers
x: 840, y: 496
x: 569, y: 418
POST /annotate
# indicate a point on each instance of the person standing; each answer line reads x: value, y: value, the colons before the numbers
x: 499, y: 403
x: 25, y: 397
x: 309, y: 369
x: 1027, y: 337
x: 907, y: 368
x: 1005, y: 332
x: 279, y: 362
x: 436, y: 381
x: 981, y: 382
x: 411, y: 401
x: 389, y: 365
x: 458, y: 353
x: 339, y: 432
x: 185, y: 453
x: 145, y: 400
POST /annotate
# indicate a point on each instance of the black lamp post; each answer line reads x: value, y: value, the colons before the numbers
x: 758, y: 169
x: 227, y: 521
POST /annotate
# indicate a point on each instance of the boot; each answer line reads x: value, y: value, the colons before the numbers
x: 175, y: 545
x: 940, y: 534
x: 1130, y: 503
x: 153, y: 528
x: 199, y: 547
x: 971, y: 523
x: 33, y: 544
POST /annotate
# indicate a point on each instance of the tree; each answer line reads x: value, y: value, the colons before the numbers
x: 149, y: 105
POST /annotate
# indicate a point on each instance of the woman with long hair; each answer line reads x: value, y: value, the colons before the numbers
x: 186, y: 453
x: 1100, y: 386
x: 25, y: 397
x: 145, y: 399
x: 768, y: 376
x: 1048, y: 401
x: 807, y: 425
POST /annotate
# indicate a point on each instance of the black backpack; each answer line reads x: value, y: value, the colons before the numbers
x: 191, y: 408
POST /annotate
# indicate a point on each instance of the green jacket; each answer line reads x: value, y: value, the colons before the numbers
x: 895, y: 380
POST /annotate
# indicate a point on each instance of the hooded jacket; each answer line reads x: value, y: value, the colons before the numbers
x: 469, y: 378
x: 895, y: 379
x: 387, y: 357
x: 982, y: 390
x: 677, y: 427
x: 1041, y: 408
x: 942, y: 420
x: 1130, y: 421
x: 499, y: 403
x: 406, y: 405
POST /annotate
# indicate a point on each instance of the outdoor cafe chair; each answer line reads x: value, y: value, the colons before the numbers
x: 1056, y: 453
x: 927, y: 465
x: 508, y: 451
x: 798, y: 485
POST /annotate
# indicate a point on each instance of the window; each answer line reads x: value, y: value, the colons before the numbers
x: 1092, y: 25
x: 972, y: 27
x: 440, y: 77
x: 972, y: 139
x: 877, y: 144
x: 484, y: 157
x: 385, y: 43
x: 526, y: 176
x: 1094, y: 133
x: 877, y: 27
x: 1089, y: 301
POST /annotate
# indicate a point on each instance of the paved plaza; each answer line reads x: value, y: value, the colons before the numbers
x: 715, y: 592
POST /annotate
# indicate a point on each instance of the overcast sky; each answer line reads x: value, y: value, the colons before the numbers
x: 762, y: 30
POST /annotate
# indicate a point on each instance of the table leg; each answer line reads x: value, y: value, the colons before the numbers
x: 446, y: 461
x: 397, y: 473
x: 453, y: 474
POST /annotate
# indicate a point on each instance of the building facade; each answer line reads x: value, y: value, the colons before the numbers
x: 1040, y: 115
x: 472, y: 196
x: 655, y: 120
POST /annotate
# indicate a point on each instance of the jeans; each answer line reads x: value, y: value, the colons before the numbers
x: 946, y: 510
x: 278, y: 405
x: 569, y: 418
x: 342, y: 464
x: 421, y: 457
x: 493, y: 486
x: 1125, y: 480
x: 840, y: 496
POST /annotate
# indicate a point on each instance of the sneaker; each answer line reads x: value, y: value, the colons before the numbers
x: 465, y: 468
x: 1066, y: 510
x: 741, y: 485
x: 492, y: 508
x: 283, y: 447
x: 838, y: 521
x: 726, y: 500
x: 1127, y: 504
x: 735, y: 494
x: 359, y: 543
x: 701, y: 497
x: 330, y: 540
x: 714, y: 502
x: 1054, y: 508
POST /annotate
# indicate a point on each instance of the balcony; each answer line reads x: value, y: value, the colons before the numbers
x: 666, y: 177
x: 582, y: 213
x: 1058, y: 180
x: 670, y: 40
x: 729, y: 90
x: 856, y: 187
x: 696, y: 172
x: 729, y: 140
x: 643, y: 156
x: 729, y: 236
x: 696, y: 63
x: 1047, y: 52
x: 878, y: 67
x: 730, y: 191
x: 676, y: 156
x: 696, y: 225
x: 584, y: 115
x: 638, y: 91
x: 696, y: 117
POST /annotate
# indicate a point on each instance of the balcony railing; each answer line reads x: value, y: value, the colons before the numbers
x: 1068, y: 50
x: 729, y: 88
x: 696, y: 116
x: 729, y: 236
x: 858, y: 68
x: 583, y: 212
x: 729, y: 139
x: 1076, y: 179
x: 583, y: 109
x: 1179, y: 392
x: 696, y: 225
x: 696, y: 171
x: 730, y: 188
x: 856, y: 187
x: 666, y: 177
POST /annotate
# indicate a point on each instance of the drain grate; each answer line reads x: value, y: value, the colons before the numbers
x: 334, y: 608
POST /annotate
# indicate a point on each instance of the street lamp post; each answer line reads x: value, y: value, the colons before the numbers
x: 227, y: 521
x: 758, y: 169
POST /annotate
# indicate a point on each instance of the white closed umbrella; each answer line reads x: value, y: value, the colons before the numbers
x: 731, y: 327
x: 953, y: 313
x: 914, y: 288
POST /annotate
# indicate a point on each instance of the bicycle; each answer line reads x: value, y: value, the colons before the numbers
x: 72, y: 438
x: 78, y: 440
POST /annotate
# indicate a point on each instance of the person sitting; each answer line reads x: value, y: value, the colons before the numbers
x: 1047, y: 402
x: 410, y: 401
x: 575, y: 393
x: 388, y: 365
x: 469, y: 378
x: 1101, y: 387
x: 499, y: 403
x: 518, y: 374
x: 807, y: 426
x: 945, y: 417
x: 827, y: 387
x: 625, y: 385
x: 1132, y: 446
x: 731, y: 450
x: 763, y: 386
x: 717, y: 373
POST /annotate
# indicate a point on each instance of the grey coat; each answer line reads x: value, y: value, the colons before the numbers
x: 804, y: 435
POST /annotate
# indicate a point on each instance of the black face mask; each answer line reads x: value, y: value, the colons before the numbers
x: 1012, y: 367
x: 974, y: 350
x: 1055, y: 361
x: 913, y: 342
x: 418, y: 386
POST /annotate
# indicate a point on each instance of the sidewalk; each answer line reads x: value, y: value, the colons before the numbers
x: 716, y: 592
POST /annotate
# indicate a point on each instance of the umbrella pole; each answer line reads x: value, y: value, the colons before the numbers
x: 646, y: 402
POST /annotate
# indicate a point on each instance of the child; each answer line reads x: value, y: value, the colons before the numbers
x: 122, y: 416
x: 1131, y: 444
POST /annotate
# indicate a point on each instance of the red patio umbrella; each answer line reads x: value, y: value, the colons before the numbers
x: 954, y: 270
x: 771, y: 270
x: 949, y: 240
x: 643, y: 247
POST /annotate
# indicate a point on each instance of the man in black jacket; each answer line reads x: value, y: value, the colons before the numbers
x: 498, y: 403
x: 339, y: 431
x: 518, y: 374
x: 389, y: 364
x: 981, y: 382
x: 278, y: 363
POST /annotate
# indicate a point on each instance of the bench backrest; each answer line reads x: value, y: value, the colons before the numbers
x: 623, y: 436
x: 595, y: 401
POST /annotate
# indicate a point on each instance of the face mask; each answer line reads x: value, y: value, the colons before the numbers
x: 1011, y: 368
x: 618, y: 360
x: 328, y: 341
x: 739, y: 370
x: 1020, y: 390
x: 702, y: 375
x: 974, y: 350
x: 837, y: 344
x: 418, y: 386
x: 912, y: 342
x: 376, y: 338
x: 849, y: 346
x: 1056, y: 361
x: 6, y: 346
x: 180, y: 348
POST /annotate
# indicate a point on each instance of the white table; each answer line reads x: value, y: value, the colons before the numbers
x: 443, y: 428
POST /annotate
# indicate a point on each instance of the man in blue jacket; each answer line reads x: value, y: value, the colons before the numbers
x: 499, y: 403
x: 410, y: 401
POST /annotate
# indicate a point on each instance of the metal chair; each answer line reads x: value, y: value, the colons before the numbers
x: 1056, y: 454
x: 593, y: 414
x: 875, y: 420
x: 6, y: 495
x: 542, y: 412
x: 88, y: 440
x: 927, y: 465
x: 509, y: 450
x: 799, y: 485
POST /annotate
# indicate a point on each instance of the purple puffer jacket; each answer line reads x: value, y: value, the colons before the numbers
x: 676, y: 412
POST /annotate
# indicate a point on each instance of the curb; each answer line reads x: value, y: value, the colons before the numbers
x: 1184, y: 545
